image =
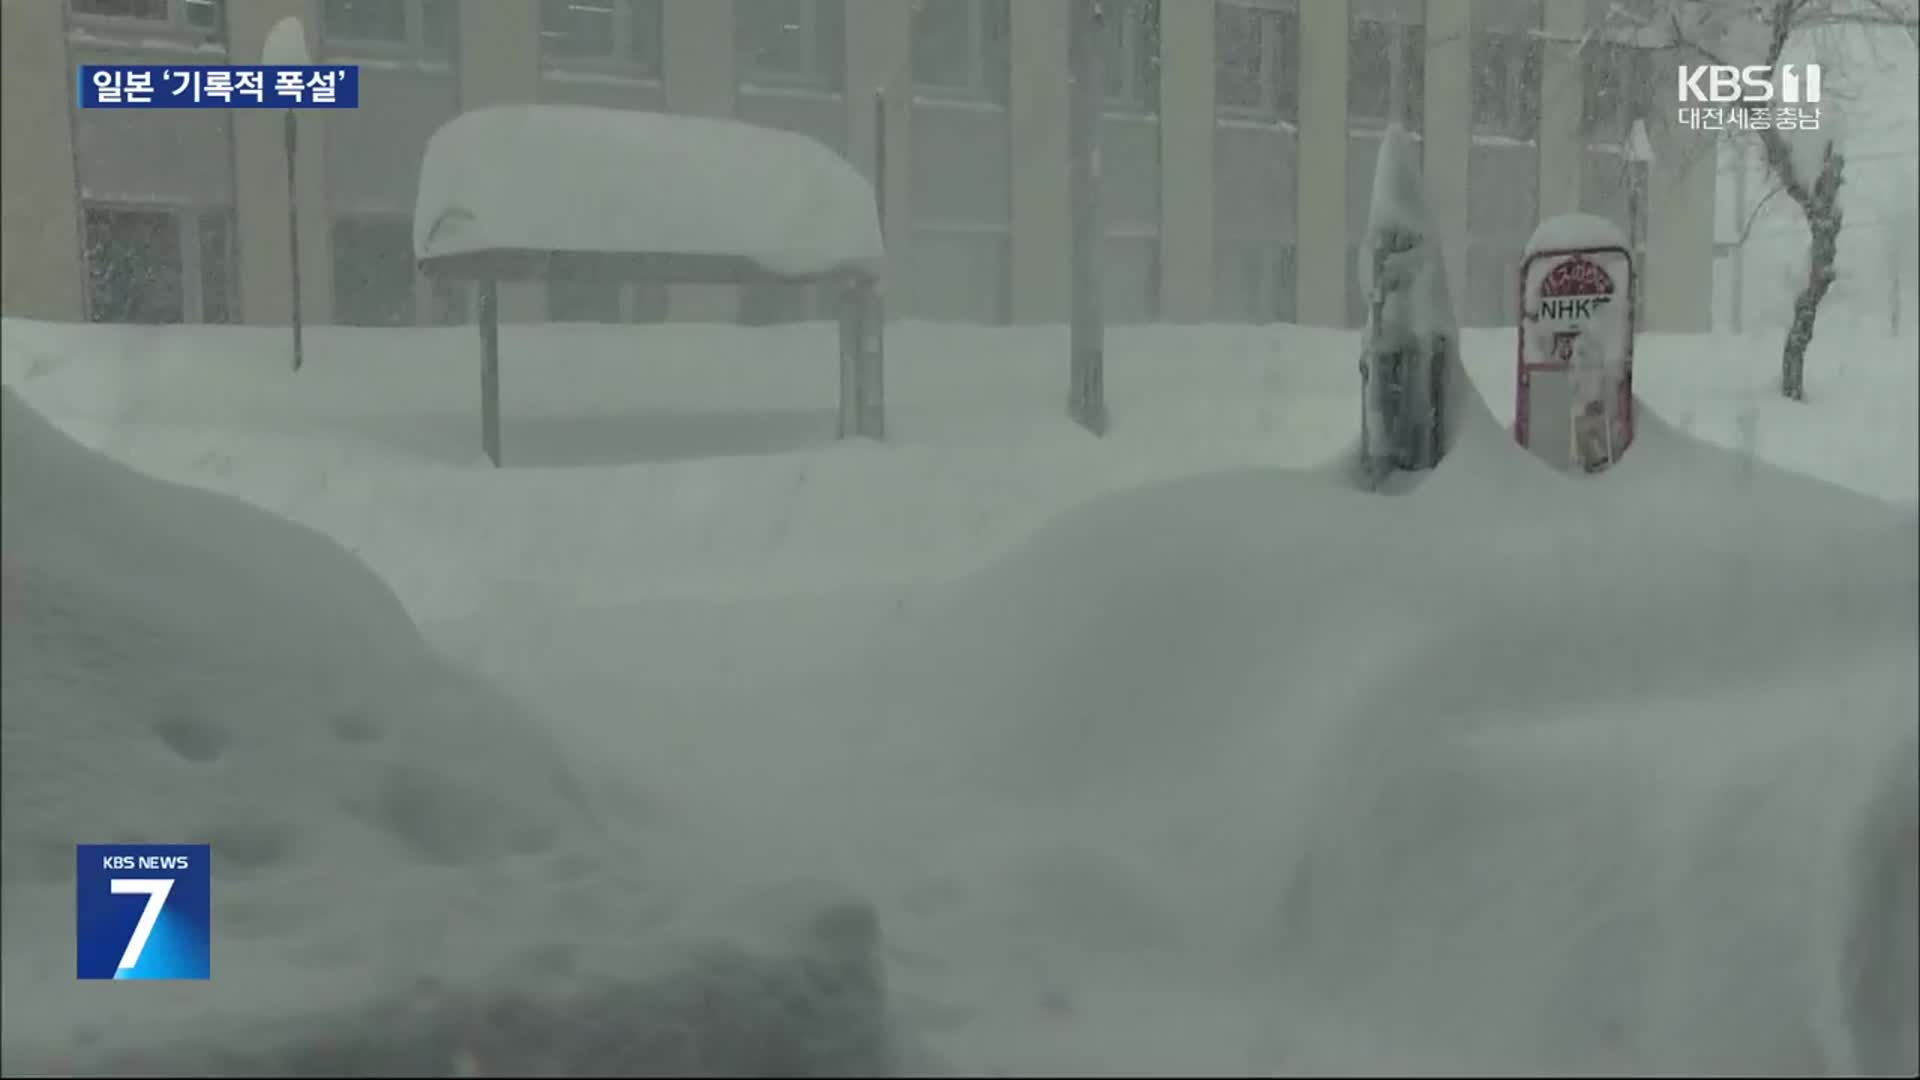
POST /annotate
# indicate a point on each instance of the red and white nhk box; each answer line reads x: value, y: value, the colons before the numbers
x: 1573, y: 393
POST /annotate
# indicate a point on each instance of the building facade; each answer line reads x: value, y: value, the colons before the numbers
x: 1237, y: 157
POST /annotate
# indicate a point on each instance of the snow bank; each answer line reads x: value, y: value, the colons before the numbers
x: 615, y: 181
x: 405, y: 871
x: 1147, y: 724
x: 698, y: 459
x: 1255, y: 773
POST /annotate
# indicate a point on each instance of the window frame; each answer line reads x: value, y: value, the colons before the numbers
x: 554, y: 289
x: 1628, y: 70
x: 1001, y: 235
x: 814, y: 78
x: 983, y: 83
x: 1517, y: 100
x: 1134, y: 98
x: 189, y: 226
x: 1406, y: 38
x: 621, y: 58
x: 412, y: 45
x: 401, y: 224
x: 172, y: 24
x: 1262, y: 286
x: 1277, y: 70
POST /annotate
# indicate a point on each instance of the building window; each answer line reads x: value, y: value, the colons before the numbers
x: 649, y: 302
x: 770, y: 303
x: 1387, y: 72
x: 1615, y: 81
x: 452, y: 302
x: 1506, y: 84
x: 1131, y: 54
x: 1257, y: 61
x: 582, y: 299
x: 421, y: 26
x: 217, y: 281
x: 439, y: 25
x: 200, y: 17
x: 791, y: 42
x: 151, y: 10
x: 626, y: 33
x: 1493, y: 284
x: 1131, y: 268
x: 373, y: 273
x: 960, y: 49
x: 133, y: 266
x: 959, y: 273
x: 1256, y: 285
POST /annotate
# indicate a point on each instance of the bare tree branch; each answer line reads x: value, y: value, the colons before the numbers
x: 1753, y: 216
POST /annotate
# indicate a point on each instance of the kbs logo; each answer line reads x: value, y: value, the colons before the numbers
x: 1720, y: 84
x: 143, y: 911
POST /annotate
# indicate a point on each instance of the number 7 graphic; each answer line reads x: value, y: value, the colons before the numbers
x: 156, y: 890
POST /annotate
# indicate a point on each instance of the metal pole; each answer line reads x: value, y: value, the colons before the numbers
x: 872, y: 310
x: 490, y: 370
x: 1086, y: 400
x: 1739, y: 300
x: 880, y: 156
x: 290, y: 128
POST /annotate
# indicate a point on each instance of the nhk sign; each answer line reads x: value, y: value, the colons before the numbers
x: 1573, y: 400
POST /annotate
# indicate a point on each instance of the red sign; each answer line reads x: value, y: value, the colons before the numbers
x: 1573, y: 377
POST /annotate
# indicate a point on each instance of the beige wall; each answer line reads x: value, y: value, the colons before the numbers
x: 1037, y: 121
x: 1321, y: 185
x: 40, y: 271
x: 1186, y: 163
x: 977, y: 193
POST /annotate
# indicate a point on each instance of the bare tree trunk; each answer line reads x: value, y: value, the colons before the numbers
x: 1820, y: 204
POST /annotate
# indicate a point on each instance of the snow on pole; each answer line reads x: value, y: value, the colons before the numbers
x: 1409, y: 356
x: 286, y: 46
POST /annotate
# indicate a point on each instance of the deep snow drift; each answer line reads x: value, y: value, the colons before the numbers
x: 1255, y: 773
x: 1190, y: 763
x: 405, y: 873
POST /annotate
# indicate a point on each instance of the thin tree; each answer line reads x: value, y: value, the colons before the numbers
x: 1712, y: 32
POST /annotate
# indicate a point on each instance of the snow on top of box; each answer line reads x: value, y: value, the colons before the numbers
x: 616, y: 181
x: 1398, y: 203
x: 1565, y: 231
x: 286, y: 43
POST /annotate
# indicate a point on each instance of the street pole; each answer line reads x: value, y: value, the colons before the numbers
x: 293, y: 231
x: 1739, y: 299
x: 1086, y: 400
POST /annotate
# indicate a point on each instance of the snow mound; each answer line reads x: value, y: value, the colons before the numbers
x: 576, y: 178
x: 1520, y: 771
x: 405, y: 872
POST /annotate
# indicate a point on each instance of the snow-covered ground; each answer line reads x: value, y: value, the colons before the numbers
x: 1163, y: 753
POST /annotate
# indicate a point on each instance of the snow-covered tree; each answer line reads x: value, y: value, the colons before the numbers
x: 1808, y: 166
x: 1411, y: 345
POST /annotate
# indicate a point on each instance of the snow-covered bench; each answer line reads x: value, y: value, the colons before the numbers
x: 529, y: 192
